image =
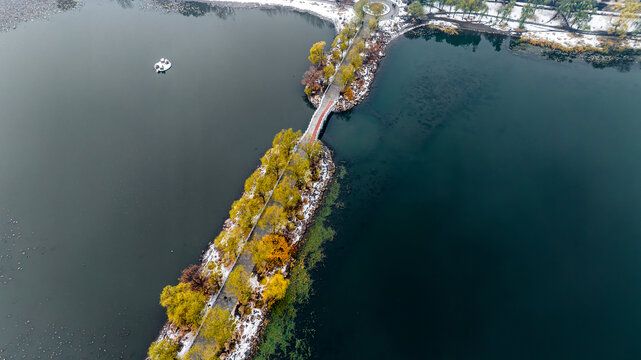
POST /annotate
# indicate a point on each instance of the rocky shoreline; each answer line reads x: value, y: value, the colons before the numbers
x: 253, y: 325
x: 599, y: 57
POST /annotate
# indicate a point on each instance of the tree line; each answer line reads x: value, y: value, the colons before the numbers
x: 325, y: 63
x: 295, y: 163
x: 575, y: 14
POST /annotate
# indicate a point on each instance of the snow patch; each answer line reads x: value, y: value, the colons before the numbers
x: 312, y: 196
x: 543, y: 26
x: 338, y: 15
x: 249, y: 328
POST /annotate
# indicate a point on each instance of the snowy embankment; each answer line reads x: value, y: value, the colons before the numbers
x: 395, y: 25
x: 338, y: 15
x: 546, y: 25
x: 312, y: 197
x: 249, y: 326
x: 249, y: 329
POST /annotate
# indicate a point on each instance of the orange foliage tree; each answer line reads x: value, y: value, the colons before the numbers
x: 270, y: 251
x: 312, y: 79
x: 348, y: 93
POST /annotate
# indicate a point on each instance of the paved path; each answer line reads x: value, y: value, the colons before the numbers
x: 332, y: 93
x: 225, y: 299
x: 322, y: 113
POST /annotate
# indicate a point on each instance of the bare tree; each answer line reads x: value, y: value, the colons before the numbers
x: 192, y: 276
x: 312, y: 79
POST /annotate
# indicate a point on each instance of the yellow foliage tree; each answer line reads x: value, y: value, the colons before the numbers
x: 228, y: 242
x: 183, y: 304
x: 272, y: 162
x: 275, y: 288
x: 348, y: 93
x: 300, y: 168
x: 285, y: 141
x: 336, y: 55
x: 336, y: 41
x: 239, y: 286
x: 270, y: 251
x: 274, y: 219
x: 316, y: 53
x: 163, y: 350
x: 355, y: 58
x: 218, y: 327
x: 202, y: 352
x: 287, y: 194
x: 313, y: 150
x: 244, y: 210
x: 360, y: 46
x: 358, y: 8
x: 372, y: 24
x: 347, y: 74
x: 629, y: 11
x: 328, y: 71
x: 260, y: 184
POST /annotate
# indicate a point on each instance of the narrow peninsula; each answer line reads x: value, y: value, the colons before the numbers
x: 220, y: 307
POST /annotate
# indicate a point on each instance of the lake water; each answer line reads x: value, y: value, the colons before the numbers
x: 493, y: 210
x: 492, y: 201
x: 112, y: 177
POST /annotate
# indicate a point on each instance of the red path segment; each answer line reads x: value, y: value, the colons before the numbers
x: 321, y: 120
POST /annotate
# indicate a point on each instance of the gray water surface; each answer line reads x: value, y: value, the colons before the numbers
x: 112, y: 177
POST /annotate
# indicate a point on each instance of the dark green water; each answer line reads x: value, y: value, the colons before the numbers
x: 114, y: 178
x: 493, y: 211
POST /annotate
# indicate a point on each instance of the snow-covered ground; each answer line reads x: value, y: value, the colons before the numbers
x: 396, y: 23
x: 545, y: 19
x: 338, y: 15
x: 249, y: 329
x: 542, y: 30
x: 311, y: 199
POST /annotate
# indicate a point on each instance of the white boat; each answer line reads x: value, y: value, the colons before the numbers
x: 162, y: 66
